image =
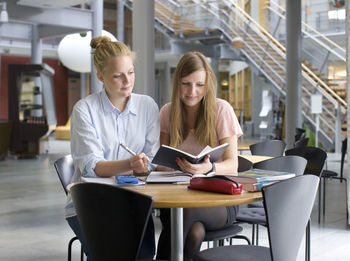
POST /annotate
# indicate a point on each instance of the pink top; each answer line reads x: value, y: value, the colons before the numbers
x: 227, y: 125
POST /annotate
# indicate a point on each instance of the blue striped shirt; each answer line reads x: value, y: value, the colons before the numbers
x: 98, y: 128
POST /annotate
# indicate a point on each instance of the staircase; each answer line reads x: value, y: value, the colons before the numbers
x: 185, y: 19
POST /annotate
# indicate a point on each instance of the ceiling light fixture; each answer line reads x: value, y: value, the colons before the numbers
x: 4, y: 16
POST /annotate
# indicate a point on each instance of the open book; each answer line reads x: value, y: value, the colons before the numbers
x: 166, y: 155
x: 176, y: 177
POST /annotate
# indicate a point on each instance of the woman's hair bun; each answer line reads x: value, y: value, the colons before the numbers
x: 98, y: 41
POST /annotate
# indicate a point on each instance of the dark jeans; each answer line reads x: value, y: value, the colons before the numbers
x: 148, y: 246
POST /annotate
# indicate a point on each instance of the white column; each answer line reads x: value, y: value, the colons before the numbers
x: 293, y: 50
x: 97, y: 26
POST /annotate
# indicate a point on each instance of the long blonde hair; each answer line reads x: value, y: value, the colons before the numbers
x: 104, y: 49
x: 206, y: 118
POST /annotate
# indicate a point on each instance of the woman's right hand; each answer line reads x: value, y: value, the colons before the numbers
x: 139, y: 163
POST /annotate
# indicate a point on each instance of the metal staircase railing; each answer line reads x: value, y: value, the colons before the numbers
x: 179, y: 19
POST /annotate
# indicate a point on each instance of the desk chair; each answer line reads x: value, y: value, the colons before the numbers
x: 255, y: 214
x: 299, y: 134
x: 273, y: 148
x: 301, y: 143
x: 65, y: 170
x: 288, y: 207
x: 315, y: 161
x: 113, y: 219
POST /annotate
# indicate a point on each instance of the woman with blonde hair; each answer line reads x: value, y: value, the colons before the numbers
x: 102, y: 122
x: 194, y: 119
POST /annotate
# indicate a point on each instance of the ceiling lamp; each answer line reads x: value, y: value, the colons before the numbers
x: 74, y: 51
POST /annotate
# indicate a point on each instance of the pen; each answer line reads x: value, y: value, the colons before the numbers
x: 133, y: 153
x: 127, y: 149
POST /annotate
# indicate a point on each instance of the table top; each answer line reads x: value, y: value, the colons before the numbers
x: 255, y: 158
x: 179, y: 196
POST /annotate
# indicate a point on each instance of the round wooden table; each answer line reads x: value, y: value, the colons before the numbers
x: 255, y: 158
x: 178, y: 197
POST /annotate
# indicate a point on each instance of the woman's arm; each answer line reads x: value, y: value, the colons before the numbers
x: 137, y: 163
x: 228, y: 165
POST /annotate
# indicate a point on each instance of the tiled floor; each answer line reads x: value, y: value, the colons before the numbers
x: 33, y: 227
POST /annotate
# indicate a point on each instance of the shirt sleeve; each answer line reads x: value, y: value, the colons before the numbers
x: 152, y: 134
x: 227, y: 124
x: 86, y: 147
x: 165, y: 118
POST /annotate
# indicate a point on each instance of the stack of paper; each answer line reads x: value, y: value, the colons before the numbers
x: 255, y: 179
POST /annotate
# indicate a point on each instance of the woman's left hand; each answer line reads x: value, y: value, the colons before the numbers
x: 201, y: 168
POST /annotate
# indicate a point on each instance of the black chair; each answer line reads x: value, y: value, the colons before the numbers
x: 255, y: 213
x: 272, y: 148
x: 299, y: 134
x: 232, y: 231
x: 244, y: 164
x: 301, y: 143
x: 65, y: 170
x: 329, y: 174
x: 315, y: 161
x: 113, y: 219
x: 288, y: 207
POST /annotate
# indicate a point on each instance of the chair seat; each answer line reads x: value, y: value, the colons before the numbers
x: 234, y: 253
x: 258, y: 204
x: 252, y: 215
x: 211, y: 235
x: 329, y: 174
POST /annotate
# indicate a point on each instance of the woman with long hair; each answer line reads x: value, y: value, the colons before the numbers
x: 194, y: 119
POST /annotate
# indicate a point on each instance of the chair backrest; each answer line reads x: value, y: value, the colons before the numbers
x: 315, y: 157
x: 292, y: 164
x: 299, y: 134
x: 113, y: 219
x: 65, y: 169
x: 288, y: 206
x: 244, y: 164
x: 272, y: 148
x: 301, y: 143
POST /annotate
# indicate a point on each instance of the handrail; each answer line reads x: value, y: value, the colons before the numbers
x: 312, y: 37
x: 336, y: 96
x: 314, y: 30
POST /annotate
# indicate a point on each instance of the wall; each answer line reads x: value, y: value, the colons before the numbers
x: 60, y: 85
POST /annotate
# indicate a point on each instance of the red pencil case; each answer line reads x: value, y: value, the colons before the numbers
x: 216, y: 184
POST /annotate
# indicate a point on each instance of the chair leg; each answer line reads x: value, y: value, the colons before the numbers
x: 81, y: 254
x: 319, y: 201
x: 307, y: 241
x: 324, y: 196
x: 257, y: 234
x: 253, y: 234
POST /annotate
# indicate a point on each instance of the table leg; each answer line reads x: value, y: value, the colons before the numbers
x: 176, y: 234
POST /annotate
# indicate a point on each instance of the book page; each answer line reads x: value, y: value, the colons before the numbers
x: 181, y: 151
x: 208, y: 150
x: 177, y: 177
